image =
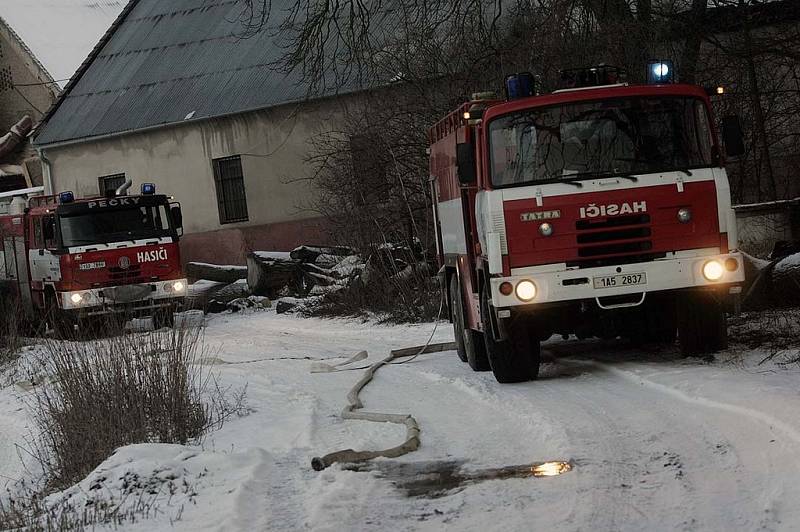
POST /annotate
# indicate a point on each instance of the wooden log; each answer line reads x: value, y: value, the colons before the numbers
x: 201, y: 292
x: 785, y: 280
x: 230, y: 292
x: 215, y: 272
x: 310, y: 253
x: 267, y: 276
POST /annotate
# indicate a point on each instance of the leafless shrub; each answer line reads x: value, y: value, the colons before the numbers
x: 775, y: 331
x: 122, y: 390
x: 375, y: 194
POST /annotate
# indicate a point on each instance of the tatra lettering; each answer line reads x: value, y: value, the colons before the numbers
x: 541, y: 215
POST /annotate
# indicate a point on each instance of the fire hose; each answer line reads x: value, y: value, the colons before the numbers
x: 354, y: 405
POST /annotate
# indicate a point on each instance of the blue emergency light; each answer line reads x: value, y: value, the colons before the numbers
x: 66, y: 197
x: 660, y: 72
x: 520, y: 85
x: 148, y: 189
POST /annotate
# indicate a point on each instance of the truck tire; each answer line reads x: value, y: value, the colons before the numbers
x: 457, y: 316
x: 474, y: 352
x: 702, y: 326
x: 515, y: 359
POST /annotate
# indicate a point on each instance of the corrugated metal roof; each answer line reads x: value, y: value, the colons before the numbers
x: 60, y: 33
x: 165, y: 60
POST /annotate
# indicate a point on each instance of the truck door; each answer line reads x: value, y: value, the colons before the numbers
x: 45, y: 264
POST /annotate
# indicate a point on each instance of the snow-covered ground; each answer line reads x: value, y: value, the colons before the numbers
x: 657, y: 442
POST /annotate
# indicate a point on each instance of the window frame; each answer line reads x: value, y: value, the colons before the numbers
x: 226, y: 207
x: 488, y: 131
x: 101, y: 181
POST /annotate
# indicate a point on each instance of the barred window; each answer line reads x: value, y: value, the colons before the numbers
x: 110, y: 182
x: 231, y: 197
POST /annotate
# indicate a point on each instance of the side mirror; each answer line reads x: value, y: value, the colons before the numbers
x: 465, y: 162
x: 732, y: 136
x: 177, y: 217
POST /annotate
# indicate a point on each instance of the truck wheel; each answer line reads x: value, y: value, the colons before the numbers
x: 702, y: 326
x: 456, y: 312
x: 515, y: 359
x: 474, y: 349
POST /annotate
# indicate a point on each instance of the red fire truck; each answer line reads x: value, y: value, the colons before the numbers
x: 599, y: 210
x: 69, y: 261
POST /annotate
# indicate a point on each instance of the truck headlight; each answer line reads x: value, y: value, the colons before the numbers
x: 713, y: 270
x: 76, y: 298
x: 526, y: 290
x: 178, y: 286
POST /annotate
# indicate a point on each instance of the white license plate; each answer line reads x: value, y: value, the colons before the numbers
x: 625, y: 279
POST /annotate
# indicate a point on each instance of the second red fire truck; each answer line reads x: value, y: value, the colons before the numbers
x: 599, y: 210
x: 70, y: 262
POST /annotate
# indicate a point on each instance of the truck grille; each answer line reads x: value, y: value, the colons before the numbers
x: 118, y: 275
x: 618, y: 240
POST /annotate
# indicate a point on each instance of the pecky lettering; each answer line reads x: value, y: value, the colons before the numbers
x: 151, y: 256
x: 117, y: 202
x: 593, y: 211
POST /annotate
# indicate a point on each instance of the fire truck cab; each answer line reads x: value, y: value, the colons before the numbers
x: 599, y: 210
x: 69, y: 260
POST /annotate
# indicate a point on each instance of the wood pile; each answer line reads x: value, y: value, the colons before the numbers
x: 774, y: 283
x: 303, y: 272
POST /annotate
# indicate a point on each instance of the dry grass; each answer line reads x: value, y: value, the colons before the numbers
x: 121, y: 390
x: 105, y: 394
x: 31, y: 514
x: 775, y: 331
x: 10, y: 331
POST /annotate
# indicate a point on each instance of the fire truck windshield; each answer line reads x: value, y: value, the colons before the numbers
x: 599, y: 138
x: 114, y: 225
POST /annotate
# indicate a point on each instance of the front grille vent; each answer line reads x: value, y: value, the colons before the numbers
x: 615, y: 240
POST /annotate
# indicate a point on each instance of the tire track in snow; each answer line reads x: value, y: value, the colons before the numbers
x: 643, y: 466
x: 743, y: 411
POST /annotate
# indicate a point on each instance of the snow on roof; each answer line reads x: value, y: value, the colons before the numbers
x: 60, y: 33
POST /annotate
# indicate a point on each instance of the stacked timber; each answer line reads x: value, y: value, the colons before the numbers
x: 294, y: 278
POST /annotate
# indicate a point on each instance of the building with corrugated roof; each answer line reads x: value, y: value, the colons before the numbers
x: 177, y: 94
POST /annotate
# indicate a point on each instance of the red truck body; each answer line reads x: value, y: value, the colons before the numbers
x: 597, y: 211
x: 91, y: 257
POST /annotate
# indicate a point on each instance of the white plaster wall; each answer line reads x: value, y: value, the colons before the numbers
x: 179, y: 160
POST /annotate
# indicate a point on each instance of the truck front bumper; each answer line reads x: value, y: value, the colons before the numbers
x: 682, y: 270
x: 136, y: 298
